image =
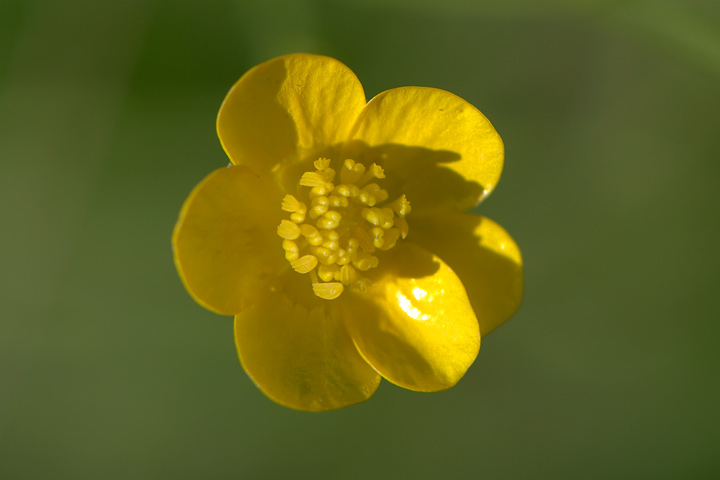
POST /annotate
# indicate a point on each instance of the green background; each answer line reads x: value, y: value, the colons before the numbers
x: 609, y: 112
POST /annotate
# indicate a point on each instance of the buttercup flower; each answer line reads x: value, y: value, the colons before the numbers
x: 338, y: 237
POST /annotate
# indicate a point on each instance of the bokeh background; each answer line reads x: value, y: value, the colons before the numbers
x: 609, y: 111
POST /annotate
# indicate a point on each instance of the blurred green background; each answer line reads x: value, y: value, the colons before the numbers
x: 609, y: 111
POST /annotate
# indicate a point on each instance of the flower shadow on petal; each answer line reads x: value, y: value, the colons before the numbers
x: 483, y: 255
x: 406, y: 262
x: 415, y: 263
x: 415, y: 326
x: 286, y: 113
x: 419, y: 173
x: 401, y: 353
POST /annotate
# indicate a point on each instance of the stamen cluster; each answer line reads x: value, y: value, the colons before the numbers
x: 334, y: 234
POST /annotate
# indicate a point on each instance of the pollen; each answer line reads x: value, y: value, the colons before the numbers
x: 337, y: 231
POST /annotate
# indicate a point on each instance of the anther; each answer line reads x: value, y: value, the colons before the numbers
x: 388, y: 218
x: 292, y: 252
x: 331, y: 244
x: 297, y: 208
x: 318, y: 206
x: 402, y: 224
x: 332, y: 239
x: 337, y: 201
x: 330, y: 234
x: 366, y: 198
x: 338, y: 244
x: 322, y: 163
x: 342, y: 257
x: 321, y: 190
x: 390, y: 238
x: 288, y: 230
x: 311, y: 234
x: 328, y: 290
x: 329, y: 174
x: 375, y: 171
x: 380, y: 217
x: 348, y: 275
x: 324, y: 255
x: 350, y: 190
x: 329, y: 220
x: 304, y: 264
x: 327, y: 272
x: 401, y: 206
x: 314, y: 179
x: 365, y: 261
x: 351, y: 171
x: 374, y: 189
x: 377, y: 236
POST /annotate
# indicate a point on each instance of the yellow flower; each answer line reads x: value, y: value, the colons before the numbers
x: 338, y: 237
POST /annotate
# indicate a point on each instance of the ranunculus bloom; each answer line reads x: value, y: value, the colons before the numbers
x: 338, y: 238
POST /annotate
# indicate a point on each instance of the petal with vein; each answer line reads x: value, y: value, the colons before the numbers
x: 224, y: 244
x: 437, y: 148
x: 301, y: 356
x: 415, y: 325
x: 287, y: 110
x: 483, y: 255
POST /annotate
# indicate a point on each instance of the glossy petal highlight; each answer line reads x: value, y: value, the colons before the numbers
x: 415, y: 325
x: 444, y: 150
x: 302, y: 357
x: 289, y: 109
x: 483, y: 255
x: 224, y: 243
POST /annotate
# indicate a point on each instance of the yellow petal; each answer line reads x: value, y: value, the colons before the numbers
x: 302, y: 357
x: 289, y: 109
x: 483, y: 255
x: 415, y: 325
x: 224, y: 243
x: 437, y: 148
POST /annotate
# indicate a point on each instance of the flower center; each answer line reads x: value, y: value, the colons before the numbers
x: 335, y: 235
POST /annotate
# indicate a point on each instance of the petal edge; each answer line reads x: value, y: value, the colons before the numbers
x: 483, y: 255
x: 415, y: 325
x: 430, y: 138
x: 224, y: 240
x: 302, y: 357
x: 289, y: 109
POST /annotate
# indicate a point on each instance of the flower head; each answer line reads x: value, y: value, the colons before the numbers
x: 338, y: 237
